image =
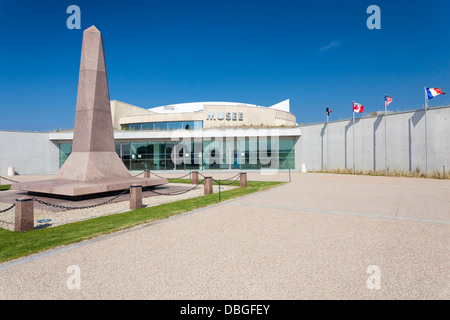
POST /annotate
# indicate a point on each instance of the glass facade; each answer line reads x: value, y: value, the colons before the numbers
x: 65, y: 149
x: 233, y: 153
x: 170, y: 125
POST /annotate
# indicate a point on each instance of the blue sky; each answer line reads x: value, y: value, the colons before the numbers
x: 315, y: 53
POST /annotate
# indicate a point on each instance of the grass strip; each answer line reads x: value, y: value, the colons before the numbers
x: 5, y: 187
x: 14, y: 245
x: 417, y: 173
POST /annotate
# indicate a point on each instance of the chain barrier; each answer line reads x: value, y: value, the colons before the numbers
x: 14, y: 181
x: 235, y: 177
x: 152, y: 173
x: 124, y: 192
x: 220, y: 179
x: 187, y: 174
x: 176, y: 193
x: 82, y: 207
x: 226, y: 184
x: 7, y: 222
x: 7, y: 209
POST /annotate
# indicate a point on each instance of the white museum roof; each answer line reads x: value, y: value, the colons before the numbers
x: 198, y: 106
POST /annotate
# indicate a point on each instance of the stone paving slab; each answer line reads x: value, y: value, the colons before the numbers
x: 288, y: 242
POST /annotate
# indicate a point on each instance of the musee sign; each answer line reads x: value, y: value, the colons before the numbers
x: 233, y: 116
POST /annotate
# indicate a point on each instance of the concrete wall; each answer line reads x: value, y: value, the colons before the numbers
x: 28, y: 153
x: 405, y: 142
x: 119, y: 108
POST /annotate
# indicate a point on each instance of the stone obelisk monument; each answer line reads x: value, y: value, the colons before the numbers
x: 93, y: 167
x: 93, y: 154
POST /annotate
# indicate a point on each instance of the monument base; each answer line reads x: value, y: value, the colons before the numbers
x: 73, y: 188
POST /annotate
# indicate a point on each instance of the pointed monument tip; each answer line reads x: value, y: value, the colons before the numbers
x: 92, y: 29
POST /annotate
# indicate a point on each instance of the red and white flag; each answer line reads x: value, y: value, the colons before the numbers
x: 357, y: 107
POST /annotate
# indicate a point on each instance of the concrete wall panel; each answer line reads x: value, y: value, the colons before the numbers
x: 405, y: 142
x: 28, y: 153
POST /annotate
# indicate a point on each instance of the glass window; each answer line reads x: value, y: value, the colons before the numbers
x: 212, y: 154
x: 135, y: 126
x: 198, y: 125
x: 171, y: 125
x: 287, y: 154
x: 156, y: 161
x: 188, y: 125
x: 125, y: 149
x: 265, y: 156
x: 65, y: 149
x: 169, y: 163
x: 243, y: 153
x: 175, y: 125
x: 138, y: 155
x: 148, y: 126
x: 160, y: 125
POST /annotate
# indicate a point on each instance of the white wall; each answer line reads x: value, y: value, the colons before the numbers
x: 28, y: 153
x: 405, y: 142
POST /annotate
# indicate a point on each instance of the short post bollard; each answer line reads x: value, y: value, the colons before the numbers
x: 135, y: 196
x: 208, y: 188
x: 194, y: 177
x: 303, y: 167
x: 243, y: 179
x: 24, y: 215
x: 146, y: 173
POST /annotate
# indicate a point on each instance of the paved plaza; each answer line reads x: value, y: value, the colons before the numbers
x: 321, y: 236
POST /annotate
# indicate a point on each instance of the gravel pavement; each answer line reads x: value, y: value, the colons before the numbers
x: 322, y: 236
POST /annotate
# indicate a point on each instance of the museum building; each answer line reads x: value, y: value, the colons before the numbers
x: 199, y: 136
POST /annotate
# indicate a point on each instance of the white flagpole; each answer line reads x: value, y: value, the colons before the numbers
x: 385, y: 134
x: 426, y: 135
x: 353, y: 125
x: 328, y: 166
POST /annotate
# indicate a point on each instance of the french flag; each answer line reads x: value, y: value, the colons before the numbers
x: 433, y: 92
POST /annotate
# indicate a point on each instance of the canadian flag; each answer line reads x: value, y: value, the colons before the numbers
x: 357, y: 107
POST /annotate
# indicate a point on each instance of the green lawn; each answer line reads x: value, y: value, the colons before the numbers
x: 5, y: 187
x: 15, y: 245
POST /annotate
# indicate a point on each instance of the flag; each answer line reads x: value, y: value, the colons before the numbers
x: 433, y: 92
x: 387, y: 100
x: 357, y: 107
x: 328, y: 111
